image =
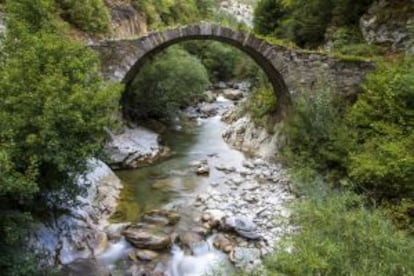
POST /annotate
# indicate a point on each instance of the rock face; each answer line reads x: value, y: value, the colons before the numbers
x: 135, y: 148
x: 390, y: 22
x: 126, y: 21
x: 242, y: 11
x: 243, y: 134
x: 80, y: 232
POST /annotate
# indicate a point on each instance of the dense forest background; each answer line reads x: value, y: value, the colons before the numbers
x: 351, y: 162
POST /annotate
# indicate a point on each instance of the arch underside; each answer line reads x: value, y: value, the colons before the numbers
x: 259, y: 50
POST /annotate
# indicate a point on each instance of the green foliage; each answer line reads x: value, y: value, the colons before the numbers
x: 316, y: 134
x: 261, y: 103
x: 383, y: 119
x: 53, y: 110
x: 169, y: 12
x: 267, y: 16
x: 87, y: 15
x: 339, y: 236
x: 306, y: 22
x: 166, y: 84
x: 402, y: 214
x: 349, y: 41
x: 370, y: 144
x: 212, y: 55
x: 223, y: 62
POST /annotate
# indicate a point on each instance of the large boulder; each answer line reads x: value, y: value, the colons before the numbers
x: 80, y: 232
x: 243, y: 226
x: 147, y: 238
x: 135, y: 147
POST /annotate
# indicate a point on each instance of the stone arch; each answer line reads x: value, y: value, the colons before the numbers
x: 259, y: 50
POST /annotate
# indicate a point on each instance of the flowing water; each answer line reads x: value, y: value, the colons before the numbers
x: 172, y: 183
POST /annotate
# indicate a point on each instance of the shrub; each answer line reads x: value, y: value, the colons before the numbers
x: 267, y: 16
x: 306, y: 22
x: 87, y: 15
x: 337, y: 235
x: 316, y: 135
x: 262, y: 101
x: 383, y: 118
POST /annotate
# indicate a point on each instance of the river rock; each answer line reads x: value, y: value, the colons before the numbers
x: 209, y: 96
x: 246, y: 258
x: 188, y: 238
x: 161, y: 217
x: 114, y: 230
x: 233, y: 94
x: 200, y: 167
x: 135, y: 147
x: 208, y: 110
x: 223, y: 243
x: 147, y: 239
x: 242, y: 225
x: 99, y: 243
x: 84, y: 267
x: 146, y: 255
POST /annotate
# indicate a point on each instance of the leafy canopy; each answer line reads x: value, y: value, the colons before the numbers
x: 165, y: 84
x: 52, y: 113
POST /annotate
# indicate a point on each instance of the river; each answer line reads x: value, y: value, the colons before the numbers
x: 171, y: 183
x: 228, y: 218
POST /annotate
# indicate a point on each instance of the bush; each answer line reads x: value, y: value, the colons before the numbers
x: 306, y: 22
x: 316, y: 135
x: 338, y: 236
x: 267, y: 16
x: 168, y: 12
x: 166, y: 84
x: 87, y: 15
x: 383, y: 119
x: 262, y: 101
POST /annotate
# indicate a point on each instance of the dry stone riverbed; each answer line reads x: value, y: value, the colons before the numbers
x: 206, y: 207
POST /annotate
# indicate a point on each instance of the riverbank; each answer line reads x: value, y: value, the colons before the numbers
x: 214, y: 190
x: 204, y: 204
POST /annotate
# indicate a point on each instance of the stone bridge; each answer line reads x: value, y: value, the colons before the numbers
x: 290, y: 71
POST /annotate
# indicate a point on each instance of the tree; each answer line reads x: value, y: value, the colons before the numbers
x: 52, y: 113
x: 165, y: 84
x: 267, y: 16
